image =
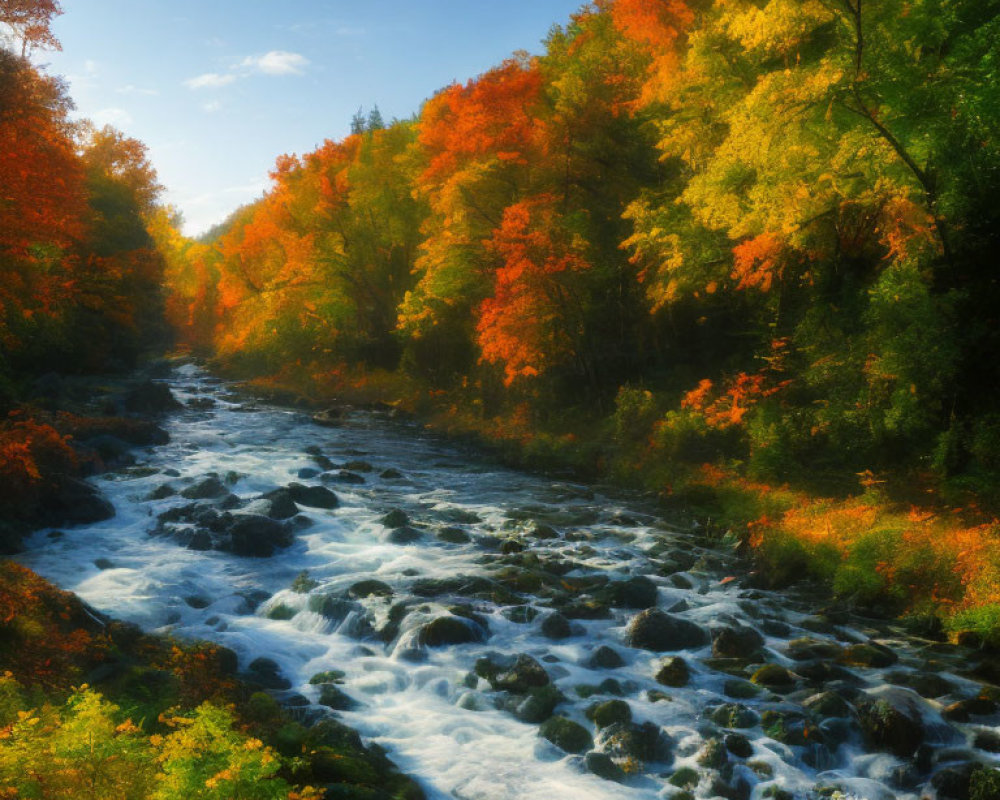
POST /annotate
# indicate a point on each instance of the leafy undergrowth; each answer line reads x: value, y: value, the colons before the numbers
x: 92, y: 708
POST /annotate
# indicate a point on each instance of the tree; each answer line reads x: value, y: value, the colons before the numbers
x: 28, y: 23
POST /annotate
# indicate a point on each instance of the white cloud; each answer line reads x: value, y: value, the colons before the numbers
x: 212, y: 107
x: 276, y: 62
x: 210, y: 80
x: 130, y: 89
x: 111, y: 116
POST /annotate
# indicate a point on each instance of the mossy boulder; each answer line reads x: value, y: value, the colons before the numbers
x: 566, y: 734
x: 609, y: 713
x: 332, y: 697
x: 450, y: 630
x: 674, y: 671
x: 658, y: 631
x: 892, y: 723
x: 773, y: 676
x: 736, y: 642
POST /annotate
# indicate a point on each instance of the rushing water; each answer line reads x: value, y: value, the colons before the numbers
x: 418, y: 703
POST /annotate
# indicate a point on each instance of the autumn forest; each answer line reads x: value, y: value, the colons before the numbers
x: 738, y: 254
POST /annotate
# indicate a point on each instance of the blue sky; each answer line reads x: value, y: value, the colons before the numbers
x: 217, y: 89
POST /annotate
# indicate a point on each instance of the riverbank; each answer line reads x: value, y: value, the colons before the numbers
x: 889, y: 546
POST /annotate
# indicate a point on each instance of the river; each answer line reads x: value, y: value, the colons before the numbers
x: 419, y: 702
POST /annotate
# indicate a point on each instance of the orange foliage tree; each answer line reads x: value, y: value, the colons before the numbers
x: 533, y: 321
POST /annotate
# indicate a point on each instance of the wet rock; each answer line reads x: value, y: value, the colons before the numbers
x: 736, y: 642
x: 635, y: 593
x: 322, y: 461
x: 359, y: 466
x: 609, y: 713
x: 630, y: 745
x: 303, y: 584
x: 963, y: 710
x: 458, y: 516
x: 892, y: 723
x: 200, y: 541
x: 462, y: 586
x: 775, y: 627
x: 537, y: 705
x: 450, y: 630
x: 390, y: 474
x: 521, y: 615
x: 584, y: 608
x: 453, y: 536
x: 307, y: 473
x: 257, y: 536
x: 788, y: 727
x: 328, y: 418
x: 734, y: 715
x: 68, y: 501
x: 327, y: 676
x: 657, y: 631
x: 601, y: 765
x: 343, y: 476
x: 988, y: 740
x: 517, y: 676
x: 511, y: 546
x: 104, y: 563
x: 679, y: 581
x: 267, y: 673
x: 823, y: 672
x: 927, y: 626
x: 150, y: 398
x: 332, y: 697
x: 869, y: 654
x: 684, y: 778
x: 369, y: 588
x: 279, y: 505
x: 332, y: 607
x: 774, y: 676
x: 556, y: 626
x: 605, y: 657
x: 807, y: 649
x: 926, y: 684
x: 713, y: 755
x: 281, y: 612
x: 734, y: 789
x: 955, y: 782
x: 566, y: 734
x: 740, y: 690
x: 539, y: 530
x: 739, y: 745
x: 674, y: 671
x: 210, y: 488
x: 312, y: 496
x: 827, y: 704
x: 162, y: 492
x: 395, y: 519
x: 404, y: 535
x: 114, y: 452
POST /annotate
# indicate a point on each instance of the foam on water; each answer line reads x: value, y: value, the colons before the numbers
x: 445, y: 732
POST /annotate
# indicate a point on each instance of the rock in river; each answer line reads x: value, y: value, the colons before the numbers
x: 660, y: 632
